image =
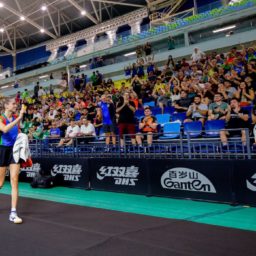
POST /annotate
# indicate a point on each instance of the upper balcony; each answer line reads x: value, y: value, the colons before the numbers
x: 125, y: 42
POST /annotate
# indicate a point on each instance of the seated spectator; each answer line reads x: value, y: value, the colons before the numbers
x: 197, y: 111
x: 71, y: 132
x: 87, y: 131
x: 52, y: 114
x: 147, y: 127
x: 244, y: 94
x: 183, y: 103
x: 236, y: 118
x: 37, y: 132
x: 218, y: 109
x: 161, y: 97
x: 54, y: 131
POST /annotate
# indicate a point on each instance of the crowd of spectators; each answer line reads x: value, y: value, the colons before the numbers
x: 213, y: 86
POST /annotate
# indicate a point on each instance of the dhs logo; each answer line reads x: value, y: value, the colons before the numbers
x: 251, y: 184
x: 124, y: 176
x: 187, y: 180
x: 69, y: 172
x: 31, y: 171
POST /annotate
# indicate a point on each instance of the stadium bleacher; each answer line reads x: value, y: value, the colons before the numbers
x: 235, y: 67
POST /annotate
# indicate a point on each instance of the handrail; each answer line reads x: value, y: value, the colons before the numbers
x: 187, y: 147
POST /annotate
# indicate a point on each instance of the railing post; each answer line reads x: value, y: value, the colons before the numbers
x: 189, y: 146
x: 125, y: 150
x: 248, y: 143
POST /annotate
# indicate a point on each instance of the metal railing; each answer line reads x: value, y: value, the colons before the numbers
x: 180, y: 146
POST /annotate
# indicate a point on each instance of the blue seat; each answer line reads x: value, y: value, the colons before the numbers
x: 213, y: 127
x: 193, y: 129
x: 249, y: 109
x: 156, y: 111
x: 171, y: 130
x: 178, y: 117
x: 169, y: 110
x: 149, y: 104
x: 139, y: 113
x: 163, y: 118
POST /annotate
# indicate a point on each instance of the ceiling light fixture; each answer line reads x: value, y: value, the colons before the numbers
x: 224, y: 29
x: 22, y: 18
x: 42, y: 77
x: 1, y: 5
x: 83, y: 12
x: 44, y: 8
x: 2, y: 30
x: 42, y: 30
x: 129, y: 54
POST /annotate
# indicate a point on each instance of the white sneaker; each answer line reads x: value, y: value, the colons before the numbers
x: 13, y: 217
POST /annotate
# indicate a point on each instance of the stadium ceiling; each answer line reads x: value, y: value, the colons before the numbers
x: 25, y: 23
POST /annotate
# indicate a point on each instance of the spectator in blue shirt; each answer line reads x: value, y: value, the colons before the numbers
x: 109, y: 118
x: 54, y: 131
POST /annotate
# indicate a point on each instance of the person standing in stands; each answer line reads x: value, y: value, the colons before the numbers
x: 109, y: 119
x: 171, y: 43
x: 126, y: 120
x: 147, y: 49
x: 36, y: 90
x: 71, y: 84
x: 9, y: 130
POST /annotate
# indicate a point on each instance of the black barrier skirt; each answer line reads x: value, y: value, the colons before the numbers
x: 196, y: 179
x: 68, y: 172
x: 119, y: 175
x: 245, y: 181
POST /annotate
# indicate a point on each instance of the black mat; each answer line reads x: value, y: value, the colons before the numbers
x: 54, y: 229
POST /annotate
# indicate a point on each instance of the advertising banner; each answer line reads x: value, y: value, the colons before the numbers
x: 196, y: 179
x: 245, y: 181
x: 120, y: 175
x: 67, y: 171
x: 27, y: 174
